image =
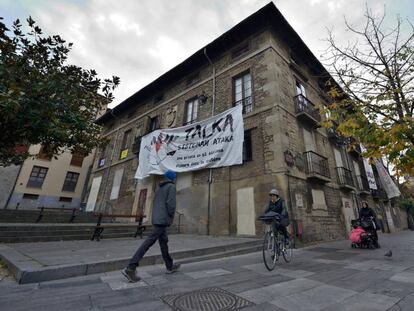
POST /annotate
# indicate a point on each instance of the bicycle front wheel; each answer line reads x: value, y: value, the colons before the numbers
x: 270, y: 255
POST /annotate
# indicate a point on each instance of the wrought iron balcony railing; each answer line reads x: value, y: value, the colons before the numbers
x: 316, y: 164
x: 379, y: 194
x: 362, y: 183
x: 304, y: 107
x: 345, y: 177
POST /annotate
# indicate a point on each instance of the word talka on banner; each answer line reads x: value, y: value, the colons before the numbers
x: 214, y: 142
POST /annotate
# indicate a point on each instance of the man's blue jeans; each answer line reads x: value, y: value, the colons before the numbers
x: 158, y: 233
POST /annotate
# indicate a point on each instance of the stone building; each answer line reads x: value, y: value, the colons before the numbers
x: 262, y: 64
x: 57, y: 182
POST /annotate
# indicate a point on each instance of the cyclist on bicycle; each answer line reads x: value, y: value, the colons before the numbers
x: 277, y: 205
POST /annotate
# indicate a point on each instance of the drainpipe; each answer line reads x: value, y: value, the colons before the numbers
x: 14, y: 187
x: 210, y: 176
x: 109, y: 164
x: 293, y: 217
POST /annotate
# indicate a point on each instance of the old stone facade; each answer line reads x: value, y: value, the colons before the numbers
x: 262, y: 64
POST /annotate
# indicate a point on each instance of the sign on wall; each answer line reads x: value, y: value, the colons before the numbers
x: 214, y: 142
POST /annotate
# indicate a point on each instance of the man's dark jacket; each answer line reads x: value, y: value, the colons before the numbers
x: 280, y: 208
x: 164, y: 204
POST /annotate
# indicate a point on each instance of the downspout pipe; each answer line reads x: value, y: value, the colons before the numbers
x: 109, y: 164
x: 210, y: 175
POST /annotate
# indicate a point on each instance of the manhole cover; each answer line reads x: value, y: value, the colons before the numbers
x: 207, y: 299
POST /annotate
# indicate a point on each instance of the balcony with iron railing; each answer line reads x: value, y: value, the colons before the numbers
x: 306, y: 111
x: 379, y: 194
x: 355, y: 148
x: 345, y: 180
x: 317, y: 167
x: 337, y: 138
x: 247, y: 103
x: 362, y: 184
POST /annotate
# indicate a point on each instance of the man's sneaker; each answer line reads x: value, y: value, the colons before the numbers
x: 131, y: 275
x: 175, y: 267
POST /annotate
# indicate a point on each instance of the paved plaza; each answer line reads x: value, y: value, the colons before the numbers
x: 328, y: 276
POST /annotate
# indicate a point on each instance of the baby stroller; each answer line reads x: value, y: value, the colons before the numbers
x: 363, y: 234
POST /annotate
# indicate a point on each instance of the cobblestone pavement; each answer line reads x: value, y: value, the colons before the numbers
x: 328, y: 276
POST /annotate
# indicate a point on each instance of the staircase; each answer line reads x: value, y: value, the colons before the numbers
x: 30, y: 216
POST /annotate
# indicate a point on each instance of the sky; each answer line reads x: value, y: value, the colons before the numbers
x: 139, y: 40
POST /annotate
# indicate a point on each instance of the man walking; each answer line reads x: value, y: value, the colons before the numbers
x: 162, y: 217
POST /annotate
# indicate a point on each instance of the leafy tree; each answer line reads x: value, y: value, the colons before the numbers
x: 374, y: 98
x: 42, y: 98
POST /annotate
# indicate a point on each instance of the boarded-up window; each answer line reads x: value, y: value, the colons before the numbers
x: 318, y: 197
x: 116, y: 185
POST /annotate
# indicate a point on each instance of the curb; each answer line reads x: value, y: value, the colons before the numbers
x: 27, y: 270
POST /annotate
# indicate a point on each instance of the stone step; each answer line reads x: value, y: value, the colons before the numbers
x: 30, y: 216
x: 26, y: 239
x: 62, y: 232
x: 25, y: 273
x: 20, y: 233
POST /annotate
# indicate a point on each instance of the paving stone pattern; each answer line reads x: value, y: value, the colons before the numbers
x: 329, y: 277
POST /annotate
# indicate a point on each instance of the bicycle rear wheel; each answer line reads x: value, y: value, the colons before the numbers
x: 287, y: 250
x: 270, y: 254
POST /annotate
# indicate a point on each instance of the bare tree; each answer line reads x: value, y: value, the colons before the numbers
x: 374, y: 101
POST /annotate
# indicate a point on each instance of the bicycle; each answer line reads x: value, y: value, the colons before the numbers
x: 274, y: 244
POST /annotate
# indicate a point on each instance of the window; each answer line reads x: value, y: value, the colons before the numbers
x: 247, y: 146
x: 309, y: 138
x: 37, y: 176
x: 154, y: 124
x: 300, y: 89
x: 30, y: 196
x: 70, y: 182
x: 136, y: 145
x: 191, y: 111
x: 77, y: 159
x: 65, y: 199
x: 124, y: 145
x: 242, y: 87
x: 102, y: 155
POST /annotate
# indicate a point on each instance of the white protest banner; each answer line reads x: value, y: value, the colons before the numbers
x: 214, y: 142
x: 369, y: 172
x: 386, y: 181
